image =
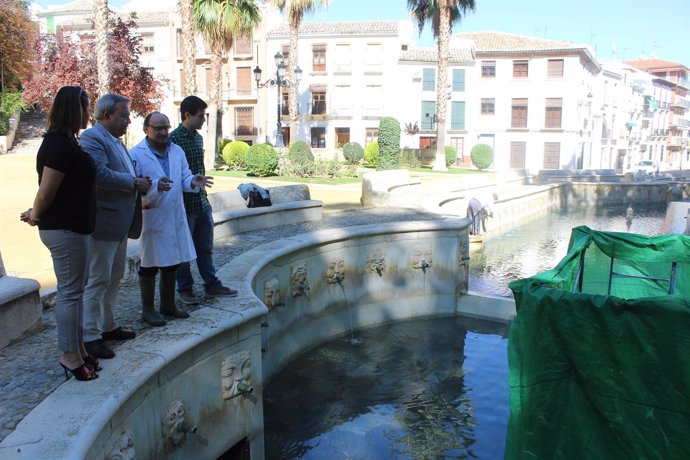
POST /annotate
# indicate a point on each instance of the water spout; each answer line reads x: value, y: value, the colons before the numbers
x: 245, y: 390
x: 183, y: 427
x: 423, y: 265
x: 378, y: 266
x: 339, y: 277
x: 303, y: 288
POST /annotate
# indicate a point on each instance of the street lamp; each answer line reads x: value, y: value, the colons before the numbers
x: 278, y: 81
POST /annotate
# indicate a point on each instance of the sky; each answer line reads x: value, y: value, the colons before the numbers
x: 616, y: 29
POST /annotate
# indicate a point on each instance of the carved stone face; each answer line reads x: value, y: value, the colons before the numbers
x: 173, y: 422
x: 272, y: 293
x: 236, y: 368
x: 376, y: 261
x: 335, y: 266
x: 124, y: 448
x: 298, y: 279
x: 421, y: 257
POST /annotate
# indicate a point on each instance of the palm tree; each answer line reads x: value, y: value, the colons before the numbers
x: 100, y: 24
x: 219, y: 21
x: 188, y: 48
x: 442, y: 13
x: 296, y: 10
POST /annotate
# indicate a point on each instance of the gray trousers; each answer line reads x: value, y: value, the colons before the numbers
x: 107, y: 268
x: 70, y: 253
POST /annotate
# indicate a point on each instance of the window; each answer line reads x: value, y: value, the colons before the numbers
x: 552, y: 155
x: 318, y: 138
x: 243, y: 44
x: 457, y: 115
x: 373, y: 56
x: 371, y: 135
x: 373, y: 98
x: 318, y: 100
x: 554, y: 111
x: 429, y: 80
x: 208, y: 80
x: 518, y: 152
x: 286, y: 52
x: 428, y: 114
x: 518, y: 114
x: 554, y: 68
x: 318, y: 53
x: 244, y: 121
x: 148, y: 42
x: 520, y: 69
x: 285, y: 108
x: 458, y: 79
x: 342, y: 136
x: 244, y: 81
x: 343, y: 58
x: 341, y: 100
x: 488, y: 106
x: 488, y: 69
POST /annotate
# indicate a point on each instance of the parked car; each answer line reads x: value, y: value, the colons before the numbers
x: 648, y: 167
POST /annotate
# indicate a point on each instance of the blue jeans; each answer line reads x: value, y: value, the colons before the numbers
x: 201, y: 228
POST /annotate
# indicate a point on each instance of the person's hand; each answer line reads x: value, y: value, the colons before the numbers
x: 143, y: 184
x: 27, y: 216
x: 202, y: 181
x: 164, y: 184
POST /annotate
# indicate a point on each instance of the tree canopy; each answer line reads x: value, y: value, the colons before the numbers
x: 71, y: 60
x: 17, y: 35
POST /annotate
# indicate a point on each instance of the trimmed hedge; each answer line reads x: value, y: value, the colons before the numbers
x: 353, y: 153
x: 261, y: 160
x: 482, y: 156
x: 300, y: 153
x: 233, y: 154
x: 450, y: 155
x: 389, y: 144
x: 371, y: 153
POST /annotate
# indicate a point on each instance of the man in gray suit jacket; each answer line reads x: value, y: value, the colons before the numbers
x: 116, y: 192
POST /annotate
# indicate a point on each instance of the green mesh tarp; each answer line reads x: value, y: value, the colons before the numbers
x: 599, y: 352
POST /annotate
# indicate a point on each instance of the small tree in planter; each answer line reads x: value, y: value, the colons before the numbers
x: 482, y: 156
x: 261, y: 160
x: 389, y: 144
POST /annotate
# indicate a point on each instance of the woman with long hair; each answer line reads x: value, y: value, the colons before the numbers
x: 64, y: 210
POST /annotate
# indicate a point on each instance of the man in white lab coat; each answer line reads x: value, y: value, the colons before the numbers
x: 165, y: 239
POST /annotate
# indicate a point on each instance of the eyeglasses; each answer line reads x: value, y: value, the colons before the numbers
x: 160, y: 128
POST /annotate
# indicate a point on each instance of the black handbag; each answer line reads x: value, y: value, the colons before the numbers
x: 256, y: 200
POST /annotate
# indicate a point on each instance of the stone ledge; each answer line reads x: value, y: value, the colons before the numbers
x: 20, y: 308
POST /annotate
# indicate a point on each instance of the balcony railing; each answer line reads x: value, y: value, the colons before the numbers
x: 318, y: 108
x: 246, y: 131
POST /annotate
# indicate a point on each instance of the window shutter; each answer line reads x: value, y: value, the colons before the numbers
x: 430, y: 108
x: 458, y: 79
x: 457, y: 115
x: 429, y: 80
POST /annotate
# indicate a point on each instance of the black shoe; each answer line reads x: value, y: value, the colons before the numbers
x: 119, y: 334
x: 99, y: 349
x: 221, y: 291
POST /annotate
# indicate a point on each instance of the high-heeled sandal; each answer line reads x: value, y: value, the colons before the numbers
x: 92, y: 363
x: 82, y: 372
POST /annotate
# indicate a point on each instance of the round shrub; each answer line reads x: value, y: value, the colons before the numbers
x: 371, y: 154
x: 234, y: 152
x: 300, y: 152
x: 482, y: 156
x: 261, y: 160
x: 450, y: 155
x: 353, y: 153
x: 389, y: 144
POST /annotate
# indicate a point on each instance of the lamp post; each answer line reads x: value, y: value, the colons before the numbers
x: 278, y: 82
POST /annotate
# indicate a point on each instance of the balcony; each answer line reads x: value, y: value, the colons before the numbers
x: 242, y: 94
x: 318, y: 108
x: 246, y: 131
